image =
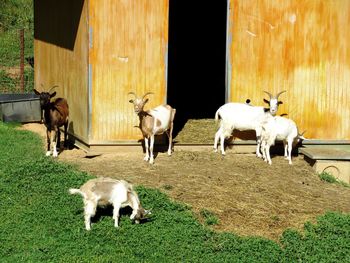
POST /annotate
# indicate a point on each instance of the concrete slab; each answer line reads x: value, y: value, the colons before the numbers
x: 325, y: 153
x: 330, y: 160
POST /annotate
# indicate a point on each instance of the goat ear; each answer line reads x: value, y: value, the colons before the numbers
x: 53, y: 94
x: 131, y: 101
x: 36, y: 92
x: 266, y: 101
x: 279, y: 102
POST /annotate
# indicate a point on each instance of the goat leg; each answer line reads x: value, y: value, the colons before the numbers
x: 146, y: 149
x: 116, y: 208
x: 151, y: 159
x: 48, y: 138
x: 53, y: 142
x: 65, y: 135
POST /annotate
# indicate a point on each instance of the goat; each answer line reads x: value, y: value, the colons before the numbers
x: 242, y: 117
x: 153, y: 122
x: 282, y: 129
x: 55, y: 115
x: 103, y: 191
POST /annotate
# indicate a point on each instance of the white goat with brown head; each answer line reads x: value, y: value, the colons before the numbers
x: 153, y: 122
x: 55, y: 115
x: 104, y: 191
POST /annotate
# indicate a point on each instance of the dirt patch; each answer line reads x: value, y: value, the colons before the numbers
x: 248, y: 196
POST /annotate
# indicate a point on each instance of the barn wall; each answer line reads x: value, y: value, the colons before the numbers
x: 298, y: 46
x: 128, y: 52
x: 61, y: 56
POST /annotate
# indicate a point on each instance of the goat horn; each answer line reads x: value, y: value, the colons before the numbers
x: 268, y: 93
x: 53, y: 88
x: 301, y: 134
x: 279, y: 93
x: 147, y: 93
x: 132, y: 93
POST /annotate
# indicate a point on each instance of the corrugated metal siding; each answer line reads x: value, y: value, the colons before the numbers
x: 299, y: 46
x: 128, y: 53
x: 61, y: 56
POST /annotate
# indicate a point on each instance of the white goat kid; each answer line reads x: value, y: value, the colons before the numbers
x: 103, y: 191
x: 280, y: 129
x: 242, y: 117
x: 153, y: 122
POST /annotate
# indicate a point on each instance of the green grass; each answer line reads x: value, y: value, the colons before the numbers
x: 209, y: 217
x: 15, y: 15
x: 328, y: 177
x: 41, y: 222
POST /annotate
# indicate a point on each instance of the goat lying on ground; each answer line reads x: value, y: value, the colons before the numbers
x: 242, y: 117
x: 55, y: 115
x: 282, y: 129
x: 153, y: 122
x: 103, y: 191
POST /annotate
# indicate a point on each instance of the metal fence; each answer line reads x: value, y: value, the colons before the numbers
x: 16, y: 61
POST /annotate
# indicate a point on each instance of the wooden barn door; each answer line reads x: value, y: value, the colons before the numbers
x: 299, y: 46
x: 128, y: 52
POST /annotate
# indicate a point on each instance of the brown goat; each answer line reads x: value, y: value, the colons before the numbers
x: 55, y: 116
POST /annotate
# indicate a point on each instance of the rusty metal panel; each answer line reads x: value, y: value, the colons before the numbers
x: 61, y: 56
x: 128, y: 52
x: 299, y: 46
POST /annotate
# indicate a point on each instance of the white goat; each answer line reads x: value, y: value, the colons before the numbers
x: 103, y: 191
x: 153, y: 122
x: 242, y: 117
x: 281, y: 129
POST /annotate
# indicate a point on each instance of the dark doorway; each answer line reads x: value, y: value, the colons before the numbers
x: 196, y: 59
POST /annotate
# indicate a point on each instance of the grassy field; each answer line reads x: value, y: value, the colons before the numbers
x: 14, y: 16
x: 41, y: 222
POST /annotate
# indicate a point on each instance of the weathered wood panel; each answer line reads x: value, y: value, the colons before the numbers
x: 299, y: 46
x: 128, y: 52
x: 61, y: 56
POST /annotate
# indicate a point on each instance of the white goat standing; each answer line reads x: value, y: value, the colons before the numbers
x: 103, y: 191
x: 281, y: 129
x: 153, y: 122
x: 242, y: 117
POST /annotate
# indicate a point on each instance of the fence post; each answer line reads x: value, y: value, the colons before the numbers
x: 21, y: 66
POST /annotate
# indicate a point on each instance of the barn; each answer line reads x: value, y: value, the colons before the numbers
x: 195, y: 57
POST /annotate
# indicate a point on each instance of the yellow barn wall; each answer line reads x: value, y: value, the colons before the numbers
x: 128, y: 52
x: 61, y: 57
x: 299, y: 46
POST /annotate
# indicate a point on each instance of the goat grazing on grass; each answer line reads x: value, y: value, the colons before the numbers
x: 55, y: 115
x: 242, y: 117
x: 153, y: 122
x: 281, y: 129
x: 104, y: 191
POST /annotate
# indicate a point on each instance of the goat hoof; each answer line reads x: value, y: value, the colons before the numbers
x: 48, y: 153
x: 151, y: 161
x: 55, y: 154
x: 145, y: 159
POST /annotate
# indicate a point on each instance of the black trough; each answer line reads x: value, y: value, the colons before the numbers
x: 20, y: 108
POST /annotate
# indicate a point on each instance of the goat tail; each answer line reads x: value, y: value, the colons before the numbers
x: 73, y: 191
x: 217, y: 115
